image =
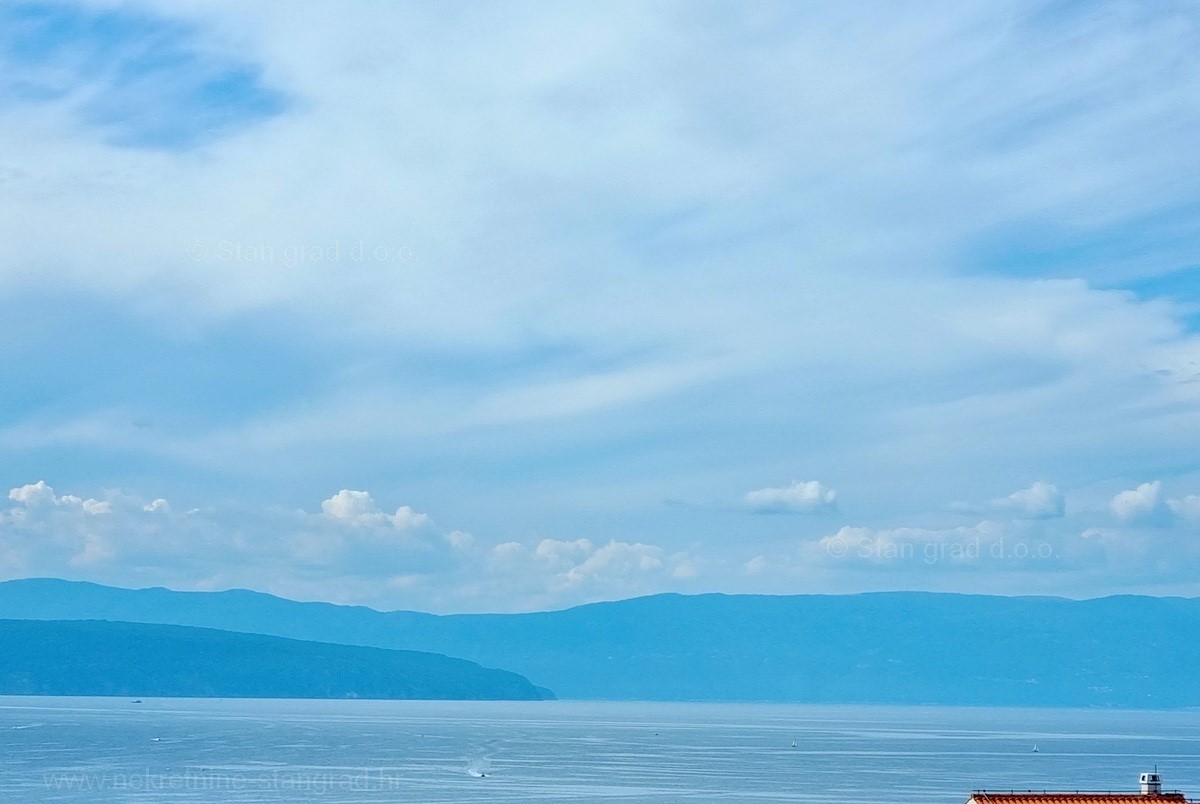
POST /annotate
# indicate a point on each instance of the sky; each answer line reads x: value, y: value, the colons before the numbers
x: 516, y: 306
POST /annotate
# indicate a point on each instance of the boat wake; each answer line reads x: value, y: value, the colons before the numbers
x: 479, y: 768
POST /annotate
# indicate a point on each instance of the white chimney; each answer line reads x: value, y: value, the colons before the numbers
x: 1151, y: 784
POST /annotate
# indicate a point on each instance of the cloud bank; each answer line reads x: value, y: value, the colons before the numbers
x: 543, y: 268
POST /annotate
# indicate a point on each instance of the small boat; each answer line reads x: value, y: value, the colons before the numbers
x: 1035, y: 748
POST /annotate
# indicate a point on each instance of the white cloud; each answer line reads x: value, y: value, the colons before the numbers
x: 52, y: 534
x: 96, y: 507
x: 359, y: 508
x: 1040, y: 501
x: 1137, y: 504
x: 1103, y: 535
x: 802, y: 497
x: 582, y: 570
x: 33, y: 494
x: 506, y: 551
x: 460, y: 540
x: 39, y: 494
x: 562, y: 552
x: 271, y: 548
x: 615, y: 558
x: 685, y: 570
x: 406, y: 518
x: 1187, y: 507
x: 350, y: 505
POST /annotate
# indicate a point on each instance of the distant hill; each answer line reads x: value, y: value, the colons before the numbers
x: 89, y: 657
x: 901, y: 647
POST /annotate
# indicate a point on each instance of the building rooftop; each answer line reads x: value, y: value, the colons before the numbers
x: 1034, y: 797
x: 1151, y: 792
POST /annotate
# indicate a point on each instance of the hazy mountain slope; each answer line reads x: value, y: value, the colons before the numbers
x: 90, y: 657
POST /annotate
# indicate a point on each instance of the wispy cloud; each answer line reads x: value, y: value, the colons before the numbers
x: 136, y: 79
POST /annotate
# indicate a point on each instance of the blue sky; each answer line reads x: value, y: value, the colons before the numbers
x: 520, y: 306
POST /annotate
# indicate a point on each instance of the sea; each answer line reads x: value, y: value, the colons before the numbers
x: 231, y: 751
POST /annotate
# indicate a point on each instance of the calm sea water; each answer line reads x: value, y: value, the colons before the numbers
x: 97, y: 749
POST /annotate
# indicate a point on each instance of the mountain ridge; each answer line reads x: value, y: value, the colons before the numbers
x: 877, y: 647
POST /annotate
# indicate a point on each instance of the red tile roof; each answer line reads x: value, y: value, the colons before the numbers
x: 1031, y: 797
